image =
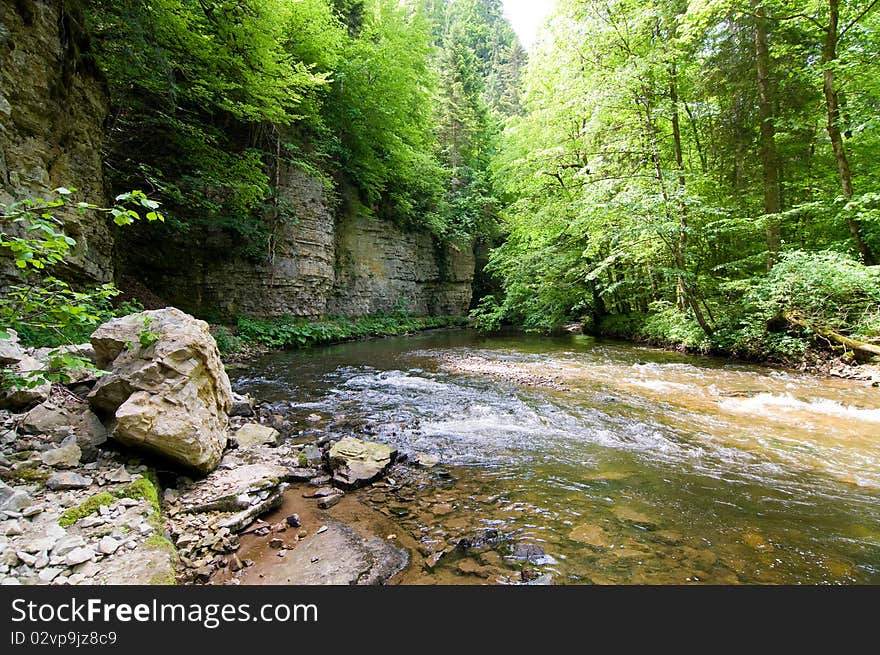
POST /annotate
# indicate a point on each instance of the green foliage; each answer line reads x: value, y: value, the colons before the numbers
x: 635, y: 180
x: 227, y: 342
x: 44, y: 309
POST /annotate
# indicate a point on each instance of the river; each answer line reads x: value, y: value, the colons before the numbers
x: 625, y: 464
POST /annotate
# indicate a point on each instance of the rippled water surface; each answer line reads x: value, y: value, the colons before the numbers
x: 626, y: 464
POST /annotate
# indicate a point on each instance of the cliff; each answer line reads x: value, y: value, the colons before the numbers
x: 324, y: 257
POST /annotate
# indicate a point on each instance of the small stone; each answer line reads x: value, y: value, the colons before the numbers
x: 13, y: 529
x: 131, y: 545
x: 78, y: 556
x: 30, y: 560
x: 322, y: 529
x: 426, y: 461
x: 108, y: 545
x: 276, y: 543
x: 329, y: 501
x: 320, y: 493
x: 282, y: 553
x: 13, y: 499
x: 48, y: 575
x: 293, y: 521
x: 64, y: 457
x: 120, y: 475
x: 68, y: 480
x: 235, y: 564
x: 104, y: 510
x: 66, y: 544
x: 145, y: 529
x: 319, y: 481
x: 33, y: 510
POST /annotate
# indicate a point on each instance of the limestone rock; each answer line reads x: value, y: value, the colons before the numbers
x: 254, y: 434
x: 229, y: 490
x: 13, y: 499
x: 10, y: 350
x: 172, y: 396
x: 68, y: 480
x: 63, y: 457
x: 356, y: 462
x: 21, y: 397
x: 242, y: 405
x: 60, y: 416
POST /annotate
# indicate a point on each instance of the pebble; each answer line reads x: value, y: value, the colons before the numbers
x: 66, y: 544
x: 293, y: 521
x: 13, y: 529
x: 48, y: 575
x: 33, y: 510
x: 30, y: 560
x: 42, y: 560
x: 329, y: 501
x: 145, y: 529
x: 68, y: 480
x: 78, y: 556
x: 108, y: 545
x: 323, y: 528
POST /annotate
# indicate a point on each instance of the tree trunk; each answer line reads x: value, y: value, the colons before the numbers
x: 832, y: 105
x: 769, y: 155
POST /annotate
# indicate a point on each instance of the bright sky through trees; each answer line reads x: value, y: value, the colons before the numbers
x: 526, y: 16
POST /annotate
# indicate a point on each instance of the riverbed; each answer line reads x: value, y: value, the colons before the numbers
x: 602, y: 462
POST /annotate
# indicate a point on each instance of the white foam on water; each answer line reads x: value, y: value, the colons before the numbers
x: 769, y: 404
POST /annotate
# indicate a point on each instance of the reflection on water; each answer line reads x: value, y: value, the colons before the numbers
x: 625, y: 463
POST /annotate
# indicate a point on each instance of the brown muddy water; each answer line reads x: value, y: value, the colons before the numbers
x: 625, y: 464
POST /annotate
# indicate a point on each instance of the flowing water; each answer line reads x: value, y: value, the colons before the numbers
x: 626, y: 464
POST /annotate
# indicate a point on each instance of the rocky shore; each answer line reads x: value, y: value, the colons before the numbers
x: 148, y: 469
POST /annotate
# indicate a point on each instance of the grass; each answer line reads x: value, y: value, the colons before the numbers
x: 293, y: 332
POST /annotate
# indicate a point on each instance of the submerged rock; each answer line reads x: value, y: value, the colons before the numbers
x: 337, y: 555
x: 167, y: 388
x: 356, y: 462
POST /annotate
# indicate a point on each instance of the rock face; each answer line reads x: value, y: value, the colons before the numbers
x: 326, y: 261
x: 170, y: 394
x: 356, y: 462
x: 52, y: 111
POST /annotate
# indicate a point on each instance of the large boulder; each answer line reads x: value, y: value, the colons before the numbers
x: 356, y: 462
x: 167, y: 389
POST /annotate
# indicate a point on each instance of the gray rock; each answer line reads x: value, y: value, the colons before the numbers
x: 120, y: 475
x: 11, y: 528
x: 255, y: 434
x: 64, y: 457
x: 108, y: 545
x: 356, y: 462
x: 78, y: 556
x: 68, y: 480
x: 339, y: 556
x: 13, y: 499
x: 28, y: 559
x: 11, y: 351
x: 426, y: 461
x: 42, y: 560
x: 313, y: 454
x: 329, y: 501
x: 66, y: 544
x: 48, y: 575
x: 293, y: 521
x: 242, y: 405
x: 301, y: 474
x: 319, y: 481
x: 58, y: 418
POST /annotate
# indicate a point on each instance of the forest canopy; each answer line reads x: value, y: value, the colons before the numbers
x: 699, y: 173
